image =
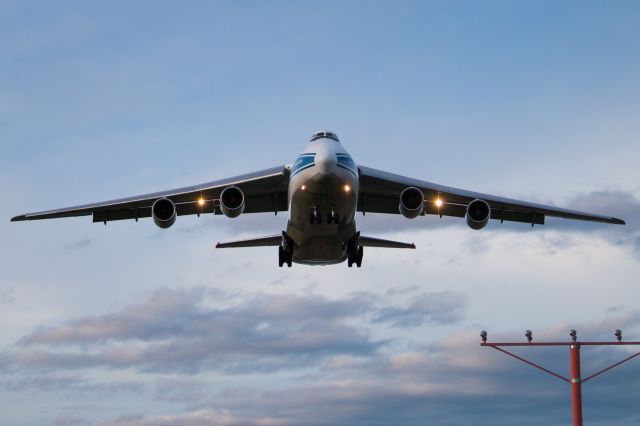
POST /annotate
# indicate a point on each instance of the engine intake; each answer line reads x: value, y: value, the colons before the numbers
x: 411, y: 202
x: 232, y: 201
x: 478, y: 214
x: 163, y: 212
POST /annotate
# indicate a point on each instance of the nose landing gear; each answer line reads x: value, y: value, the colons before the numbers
x: 333, y: 217
x: 315, y: 216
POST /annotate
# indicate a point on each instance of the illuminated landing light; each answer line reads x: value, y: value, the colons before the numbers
x: 201, y: 201
x: 438, y: 202
x: 303, y: 187
x: 347, y: 188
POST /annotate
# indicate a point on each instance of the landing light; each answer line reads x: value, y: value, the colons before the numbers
x: 347, y: 188
x: 438, y: 202
x: 303, y: 187
x: 201, y: 201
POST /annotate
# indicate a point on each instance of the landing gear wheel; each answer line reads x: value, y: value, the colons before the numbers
x: 355, y: 256
x: 285, y: 251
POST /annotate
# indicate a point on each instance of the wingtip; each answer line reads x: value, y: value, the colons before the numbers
x: 413, y: 245
x: 617, y: 221
x: 19, y: 218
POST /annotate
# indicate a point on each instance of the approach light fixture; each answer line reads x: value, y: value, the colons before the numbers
x: 573, y: 334
x: 618, y: 335
x: 529, y: 335
x: 483, y: 335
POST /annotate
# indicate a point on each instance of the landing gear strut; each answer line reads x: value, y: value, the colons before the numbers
x: 285, y: 251
x: 333, y: 217
x: 355, y: 252
x: 315, y: 216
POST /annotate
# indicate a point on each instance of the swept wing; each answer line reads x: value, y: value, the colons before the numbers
x: 380, y: 192
x: 264, y: 191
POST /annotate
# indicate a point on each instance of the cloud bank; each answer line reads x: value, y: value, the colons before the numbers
x: 187, y: 331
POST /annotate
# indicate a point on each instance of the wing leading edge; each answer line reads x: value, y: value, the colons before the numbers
x: 265, y: 191
x: 380, y: 192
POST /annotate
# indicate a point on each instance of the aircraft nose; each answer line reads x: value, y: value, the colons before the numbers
x: 326, y: 161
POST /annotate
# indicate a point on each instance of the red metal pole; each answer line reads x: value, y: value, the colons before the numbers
x: 576, y: 384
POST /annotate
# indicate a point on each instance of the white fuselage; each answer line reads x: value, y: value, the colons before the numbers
x: 323, y: 196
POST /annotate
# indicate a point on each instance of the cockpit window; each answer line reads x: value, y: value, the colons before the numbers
x: 321, y: 135
x: 303, y: 162
x: 346, y: 162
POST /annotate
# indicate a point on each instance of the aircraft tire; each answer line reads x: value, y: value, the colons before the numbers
x: 360, y: 255
x: 281, y: 256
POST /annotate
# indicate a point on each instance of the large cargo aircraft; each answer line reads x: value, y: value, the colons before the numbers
x: 322, y: 190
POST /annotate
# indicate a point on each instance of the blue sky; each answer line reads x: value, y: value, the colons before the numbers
x: 132, y: 325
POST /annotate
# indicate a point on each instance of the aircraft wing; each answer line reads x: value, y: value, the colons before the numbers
x: 380, y: 193
x: 264, y: 191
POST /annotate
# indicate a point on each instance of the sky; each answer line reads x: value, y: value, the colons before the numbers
x: 131, y: 325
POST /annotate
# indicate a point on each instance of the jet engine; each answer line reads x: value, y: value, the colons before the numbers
x: 163, y: 212
x: 232, y: 201
x: 478, y: 214
x: 411, y: 202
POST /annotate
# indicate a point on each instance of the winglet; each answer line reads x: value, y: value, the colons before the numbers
x: 19, y: 218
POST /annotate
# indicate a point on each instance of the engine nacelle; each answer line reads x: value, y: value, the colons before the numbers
x: 232, y: 201
x: 478, y: 214
x: 163, y: 212
x: 411, y: 202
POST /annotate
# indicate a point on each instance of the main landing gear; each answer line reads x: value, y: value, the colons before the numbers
x: 285, y: 251
x: 355, y: 252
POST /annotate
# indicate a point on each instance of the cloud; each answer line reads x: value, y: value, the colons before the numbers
x: 64, y: 420
x: 621, y: 204
x: 7, y: 296
x: 199, y: 329
x: 425, y: 308
x: 196, y: 418
x: 611, y: 203
x: 80, y: 244
x: 68, y: 384
x: 180, y: 389
x: 450, y: 382
x: 357, y: 379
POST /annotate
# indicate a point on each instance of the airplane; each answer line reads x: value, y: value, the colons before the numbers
x: 323, y: 190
